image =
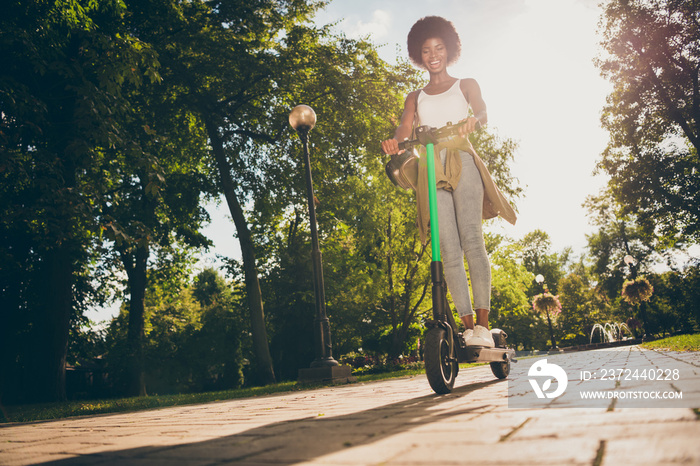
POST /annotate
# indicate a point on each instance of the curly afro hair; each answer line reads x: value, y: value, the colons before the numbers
x: 427, y: 28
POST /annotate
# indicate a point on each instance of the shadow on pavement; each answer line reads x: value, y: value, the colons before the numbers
x: 298, y: 440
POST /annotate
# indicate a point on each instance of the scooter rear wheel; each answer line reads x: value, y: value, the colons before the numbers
x: 440, y: 368
x: 500, y: 369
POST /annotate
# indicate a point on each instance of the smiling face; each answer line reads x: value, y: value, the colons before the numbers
x: 434, y: 55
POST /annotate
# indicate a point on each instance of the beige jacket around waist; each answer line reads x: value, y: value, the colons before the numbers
x: 495, y: 203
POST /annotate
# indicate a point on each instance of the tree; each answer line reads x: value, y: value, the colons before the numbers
x: 652, y: 57
x: 154, y: 201
x: 236, y: 65
x: 66, y: 65
x: 195, y: 334
x: 510, y: 284
x: 239, y: 71
x: 582, y: 307
x: 537, y: 259
x: 391, y: 245
x: 674, y: 306
x: 214, y: 57
x: 355, y: 94
x: 618, y: 236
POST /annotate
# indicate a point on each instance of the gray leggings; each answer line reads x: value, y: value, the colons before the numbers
x: 459, y: 215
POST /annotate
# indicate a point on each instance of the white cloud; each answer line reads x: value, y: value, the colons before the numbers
x: 377, y: 28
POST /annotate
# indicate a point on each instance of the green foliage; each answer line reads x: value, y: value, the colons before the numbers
x: 510, y: 283
x: 673, y: 307
x: 66, y: 66
x: 355, y: 94
x: 653, y: 114
x: 498, y: 154
x: 231, y: 66
x: 618, y: 235
x: 539, y: 260
x: 582, y: 308
x: 195, y: 339
x: 510, y: 280
x: 85, y: 345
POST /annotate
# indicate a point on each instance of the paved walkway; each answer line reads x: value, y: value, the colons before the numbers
x: 394, y: 422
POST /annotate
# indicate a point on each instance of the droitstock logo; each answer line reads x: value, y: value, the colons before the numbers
x: 552, y: 372
x: 611, y: 378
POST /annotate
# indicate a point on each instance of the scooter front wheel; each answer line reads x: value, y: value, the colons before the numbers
x: 440, y: 367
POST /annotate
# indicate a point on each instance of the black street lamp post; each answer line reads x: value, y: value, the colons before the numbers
x: 632, y: 264
x: 324, y: 367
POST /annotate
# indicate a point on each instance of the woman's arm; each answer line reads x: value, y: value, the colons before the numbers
x: 472, y: 92
x: 403, y: 131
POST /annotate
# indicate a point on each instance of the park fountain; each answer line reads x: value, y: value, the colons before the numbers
x: 611, y: 331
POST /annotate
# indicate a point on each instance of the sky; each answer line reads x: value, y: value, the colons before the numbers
x: 533, y: 60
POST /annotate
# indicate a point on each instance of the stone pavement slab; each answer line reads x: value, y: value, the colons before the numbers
x: 393, y: 422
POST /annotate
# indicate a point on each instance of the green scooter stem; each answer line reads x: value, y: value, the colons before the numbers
x: 432, y: 200
x: 438, y: 289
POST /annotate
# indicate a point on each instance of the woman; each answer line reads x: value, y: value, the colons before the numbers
x: 433, y: 44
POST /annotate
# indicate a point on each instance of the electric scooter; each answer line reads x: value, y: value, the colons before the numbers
x: 444, y: 347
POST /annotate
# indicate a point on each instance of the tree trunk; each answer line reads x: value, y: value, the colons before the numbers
x: 136, y: 268
x: 48, y: 377
x: 398, y: 338
x: 255, y: 303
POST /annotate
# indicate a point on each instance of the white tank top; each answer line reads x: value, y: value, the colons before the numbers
x: 437, y: 110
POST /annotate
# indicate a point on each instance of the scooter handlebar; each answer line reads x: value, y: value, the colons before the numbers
x: 427, y: 134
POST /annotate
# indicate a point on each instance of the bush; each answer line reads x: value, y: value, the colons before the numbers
x: 366, y: 364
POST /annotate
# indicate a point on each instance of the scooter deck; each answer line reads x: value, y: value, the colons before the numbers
x: 482, y: 354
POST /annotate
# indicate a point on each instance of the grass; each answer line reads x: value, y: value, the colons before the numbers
x: 60, y: 410
x: 677, y: 343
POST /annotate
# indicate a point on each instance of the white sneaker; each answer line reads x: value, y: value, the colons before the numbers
x: 467, y: 334
x: 481, y: 337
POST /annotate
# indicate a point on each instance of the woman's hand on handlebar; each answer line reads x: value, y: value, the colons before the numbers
x: 391, y: 146
x: 469, y: 125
